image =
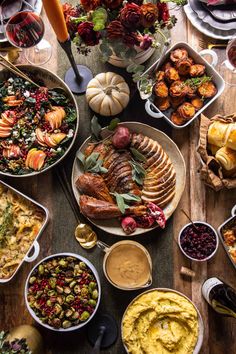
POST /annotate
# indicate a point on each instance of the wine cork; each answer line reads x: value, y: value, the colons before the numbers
x: 188, y: 272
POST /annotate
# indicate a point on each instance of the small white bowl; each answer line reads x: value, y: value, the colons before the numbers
x: 194, y: 259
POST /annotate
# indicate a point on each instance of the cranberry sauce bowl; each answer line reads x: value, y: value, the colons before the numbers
x: 198, y: 242
x: 63, y: 292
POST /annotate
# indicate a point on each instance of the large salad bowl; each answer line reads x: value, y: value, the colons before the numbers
x: 50, y: 80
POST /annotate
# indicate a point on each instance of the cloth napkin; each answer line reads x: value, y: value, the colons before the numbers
x: 219, y: 2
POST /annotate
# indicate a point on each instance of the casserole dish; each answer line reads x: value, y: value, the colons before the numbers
x: 34, y: 245
x: 151, y: 108
x: 64, y: 284
x: 221, y: 229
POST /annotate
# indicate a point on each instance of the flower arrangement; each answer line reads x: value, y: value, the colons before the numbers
x: 120, y: 27
x: 10, y: 347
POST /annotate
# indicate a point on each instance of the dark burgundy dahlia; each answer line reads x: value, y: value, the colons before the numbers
x: 115, y: 30
x: 130, y: 16
x: 87, y: 33
x: 112, y: 4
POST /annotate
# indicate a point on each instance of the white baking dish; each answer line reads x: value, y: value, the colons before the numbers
x: 150, y: 107
x: 35, y: 248
x: 220, y: 232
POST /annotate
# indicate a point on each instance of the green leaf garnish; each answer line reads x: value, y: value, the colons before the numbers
x: 138, y: 172
x: 96, y: 127
x: 113, y: 124
x: 137, y: 155
x: 92, y: 163
x: 125, y: 197
x: 195, y: 82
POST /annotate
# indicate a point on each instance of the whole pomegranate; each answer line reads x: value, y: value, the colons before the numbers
x: 129, y: 225
x: 121, y: 138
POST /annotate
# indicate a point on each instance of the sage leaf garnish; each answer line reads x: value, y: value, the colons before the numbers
x: 80, y: 156
x: 113, y: 124
x: 137, y: 155
x: 121, y: 200
x: 92, y: 163
x: 96, y: 128
x: 138, y: 172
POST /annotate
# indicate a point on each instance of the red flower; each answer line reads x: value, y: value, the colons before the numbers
x: 112, y: 4
x: 163, y: 12
x: 130, y: 16
x: 137, y: 2
x: 145, y: 41
x: 130, y: 39
x: 87, y: 34
x: 149, y: 14
x: 115, y: 30
x: 89, y: 5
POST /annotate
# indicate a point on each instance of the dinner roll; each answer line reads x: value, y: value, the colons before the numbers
x: 231, y: 141
x: 218, y: 133
x: 227, y: 158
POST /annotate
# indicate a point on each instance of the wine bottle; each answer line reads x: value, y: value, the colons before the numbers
x: 220, y: 296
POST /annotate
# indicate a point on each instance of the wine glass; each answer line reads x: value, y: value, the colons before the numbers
x: 228, y: 67
x: 25, y: 29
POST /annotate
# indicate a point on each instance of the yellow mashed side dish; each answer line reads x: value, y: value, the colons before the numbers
x: 160, y: 322
x: 20, y: 223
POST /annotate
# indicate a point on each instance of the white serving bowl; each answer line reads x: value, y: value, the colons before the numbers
x: 200, y: 321
x: 216, y: 236
x: 51, y: 80
x: 80, y: 325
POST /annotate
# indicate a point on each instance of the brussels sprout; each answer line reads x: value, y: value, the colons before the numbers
x: 84, y: 316
x: 66, y: 324
x: 95, y: 294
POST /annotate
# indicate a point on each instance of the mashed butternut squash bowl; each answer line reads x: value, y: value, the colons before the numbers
x: 162, y: 321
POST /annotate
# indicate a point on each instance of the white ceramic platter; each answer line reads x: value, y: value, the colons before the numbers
x: 206, y: 28
x: 112, y: 226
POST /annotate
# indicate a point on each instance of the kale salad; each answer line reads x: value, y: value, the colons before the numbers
x: 37, y: 126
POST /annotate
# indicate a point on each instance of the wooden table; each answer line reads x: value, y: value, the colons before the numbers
x: 200, y: 202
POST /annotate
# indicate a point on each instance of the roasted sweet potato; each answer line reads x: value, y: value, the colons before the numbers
x: 178, y: 54
x: 162, y: 103
x: 166, y: 66
x: 160, y: 75
x: 183, y: 66
x: 178, y: 89
x: 176, y: 101
x: 207, y: 90
x: 161, y: 89
x: 186, y: 110
x: 171, y: 75
x: 197, y: 102
x: 191, y: 91
x: 197, y: 70
x: 177, y: 119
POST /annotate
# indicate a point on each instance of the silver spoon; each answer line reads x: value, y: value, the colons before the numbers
x: 151, y: 81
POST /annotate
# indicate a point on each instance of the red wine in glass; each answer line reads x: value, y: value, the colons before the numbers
x: 25, y: 30
x: 231, y: 52
x: 228, y: 67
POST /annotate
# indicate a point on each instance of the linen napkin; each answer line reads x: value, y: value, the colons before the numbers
x: 219, y: 2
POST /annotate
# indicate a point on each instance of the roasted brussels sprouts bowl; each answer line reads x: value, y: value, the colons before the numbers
x: 63, y: 292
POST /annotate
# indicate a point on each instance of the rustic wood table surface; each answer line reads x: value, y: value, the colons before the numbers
x: 198, y: 201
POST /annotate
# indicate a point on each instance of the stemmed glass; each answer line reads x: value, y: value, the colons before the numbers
x: 228, y: 67
x: 25, y: 29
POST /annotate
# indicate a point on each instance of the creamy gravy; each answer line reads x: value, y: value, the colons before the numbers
x: 128, y: 266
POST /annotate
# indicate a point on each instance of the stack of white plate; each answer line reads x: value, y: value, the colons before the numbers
x: 217, y: 22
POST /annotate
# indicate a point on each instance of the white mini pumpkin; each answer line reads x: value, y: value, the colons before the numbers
x: 107, y: 94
